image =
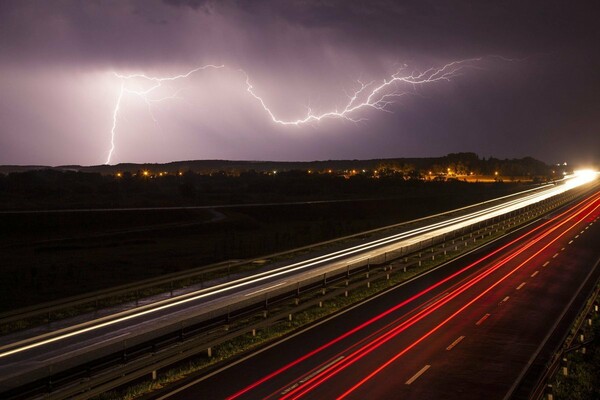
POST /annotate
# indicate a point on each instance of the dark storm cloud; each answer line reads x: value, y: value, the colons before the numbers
x: 174, y: 30
x: 86, y: 31
x: 151, y: 30
x: 298, y: 52
x: 525, y: 25
x: 195, y: 4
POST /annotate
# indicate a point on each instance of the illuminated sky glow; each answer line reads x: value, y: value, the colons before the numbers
x: 373, y: 95
x: 291, y: 71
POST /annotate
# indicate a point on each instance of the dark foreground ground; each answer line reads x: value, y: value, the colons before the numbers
x: 49, y: 255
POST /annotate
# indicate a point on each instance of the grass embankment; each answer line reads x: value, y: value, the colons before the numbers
x: 582, y: 381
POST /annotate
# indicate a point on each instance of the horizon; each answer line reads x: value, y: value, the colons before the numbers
x: 285, y: 161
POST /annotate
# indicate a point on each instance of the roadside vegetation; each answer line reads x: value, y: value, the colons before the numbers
x: 583, y: 363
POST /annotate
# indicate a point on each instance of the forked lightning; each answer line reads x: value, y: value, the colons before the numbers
x: 378, y: 96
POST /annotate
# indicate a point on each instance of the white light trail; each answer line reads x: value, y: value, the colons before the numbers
x: 373, y: 95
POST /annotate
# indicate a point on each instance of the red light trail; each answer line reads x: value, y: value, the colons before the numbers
x: 398, y: 355
x: 327, y: 373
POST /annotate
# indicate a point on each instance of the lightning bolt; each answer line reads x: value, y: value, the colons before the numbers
x: 372, y: 95
x: 155, y: 83
x: 375, y: 96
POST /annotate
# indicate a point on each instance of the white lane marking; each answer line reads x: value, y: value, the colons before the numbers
x: 264, y: 289
x: 505, y: 299
x: 418, y: 374
x: 457, y: 341
x: 354, y: 260
x: 520, y: 286
x: 576, y: 236
x: 546, y: 264
x: 570, y: 242
x: 311, y: 375
x: 563, y: 249
x: 434, y: 300
x: 582, y: 231
x: 554, y: 256
x: 535, y: 273
x: 47, y: 360
x: 482, y: 319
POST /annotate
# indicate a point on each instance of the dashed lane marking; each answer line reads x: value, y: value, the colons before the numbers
x: 418, y: 374
x: 457, y: 341
x: 482, y: 319
x: 312, y: 375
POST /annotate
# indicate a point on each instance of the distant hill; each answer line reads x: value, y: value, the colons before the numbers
x: 467, y: 161
x: 208, y: 166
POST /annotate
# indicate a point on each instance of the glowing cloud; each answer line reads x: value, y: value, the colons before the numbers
x: 146, y: 95
x: 373, y: 95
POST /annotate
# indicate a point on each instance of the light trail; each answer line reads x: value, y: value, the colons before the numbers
x: 161, y: 305
x: 498, y: 282
x: 373, y: 95
x: 373, y: 345
x: 395, y: 308
x: 357, y: 355
x: 398, y: 240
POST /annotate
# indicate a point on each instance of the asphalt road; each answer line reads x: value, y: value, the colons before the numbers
x: 465, y: 331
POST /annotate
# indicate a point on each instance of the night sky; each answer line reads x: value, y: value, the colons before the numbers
x: 532, y: 87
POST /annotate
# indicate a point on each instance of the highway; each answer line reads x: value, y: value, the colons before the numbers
x: 468, y: 330
x: 28, y: 359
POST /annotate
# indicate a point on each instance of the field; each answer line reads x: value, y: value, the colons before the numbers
x: 52, y: 255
